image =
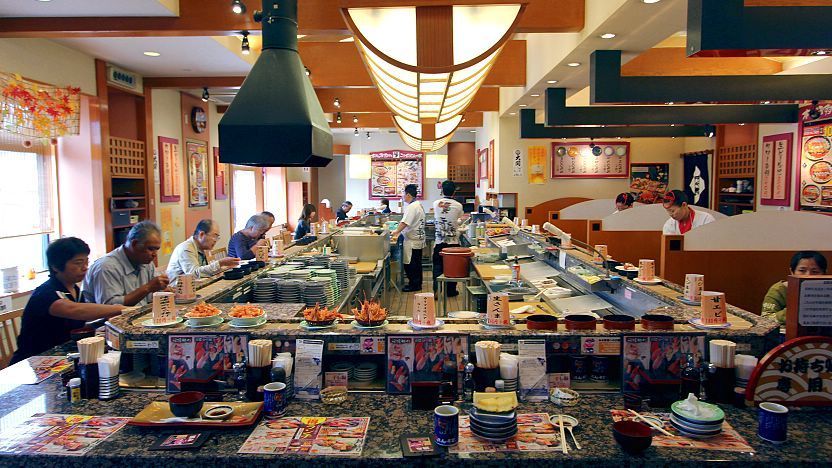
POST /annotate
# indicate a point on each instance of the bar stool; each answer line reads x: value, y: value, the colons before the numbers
x: 441, y: 282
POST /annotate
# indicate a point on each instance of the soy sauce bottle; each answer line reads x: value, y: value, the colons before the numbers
x: 691, y: 378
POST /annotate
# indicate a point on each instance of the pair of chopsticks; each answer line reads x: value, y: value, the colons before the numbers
x: 563, y: 444
x: 651, y: 423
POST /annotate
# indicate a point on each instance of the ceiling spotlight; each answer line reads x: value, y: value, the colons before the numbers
x: 463, y: 118
x: 355, y: 119
x: 650, y: 1
x: 669, y: 103
x: 741, y: 125
x: 617, y: 138
x: 820, y: 52
x: 710, y: 131
x: 205, y: 95
x: 337, y: 103
x: 368, y: 136
x: 151, y: 53
x: 765, y: 102
x: 512, y: 113
x: 246, y: 46
x: 814, y: 113
x: 338, y: 117
x: 607, y: 36
x: 535, y: 95
x: 573, y: 64
x: 552, y: 81
x: 238, y: 7
x: 308, y: 71
x: 356, y: 131
x: 524, y: 105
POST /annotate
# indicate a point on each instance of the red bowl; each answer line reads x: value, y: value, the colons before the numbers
x: 580, y: 322
x: 186, y: 404
x: 542, y: 322
x: 619, y: 322
x: 657, y: 322
x: 632, y: 436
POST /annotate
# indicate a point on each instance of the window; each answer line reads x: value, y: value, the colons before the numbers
x: 275, y: 193
x: 244, y: 196
x: 27, y: 205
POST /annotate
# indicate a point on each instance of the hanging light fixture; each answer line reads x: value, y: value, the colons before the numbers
x: 368, y: 136
x: 356, y: 132
x: 360, y: 166
x: 337, y: 103
x: 205, y: 95
x: 436, y: 166
x: 355, y: 119
x: 246, y: 46
x: 238, y: 7
x: 338, y: 117
x: 431, y: 73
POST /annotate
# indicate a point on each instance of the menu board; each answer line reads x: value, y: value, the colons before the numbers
x: 343, y: 437
x: 393, y: 170
x: 591, y: 159
x: 168, y: 161
x: 816, y: 167
x: 59, y: 434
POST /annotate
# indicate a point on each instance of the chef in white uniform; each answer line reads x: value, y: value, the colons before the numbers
x: 682, y: 217
x: 412, y: 227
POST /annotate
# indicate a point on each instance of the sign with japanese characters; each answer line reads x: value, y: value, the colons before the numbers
x: 797, y: 373
x: 591, y: 160
x: 815, y: 303
x: 776, y: 161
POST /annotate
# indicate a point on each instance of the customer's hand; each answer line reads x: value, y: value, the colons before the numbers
x: 158, y: 283
x: 229, y: 262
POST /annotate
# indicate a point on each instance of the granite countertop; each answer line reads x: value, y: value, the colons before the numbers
x: 810, y: 432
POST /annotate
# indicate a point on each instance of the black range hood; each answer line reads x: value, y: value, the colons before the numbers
x: 276, y: 119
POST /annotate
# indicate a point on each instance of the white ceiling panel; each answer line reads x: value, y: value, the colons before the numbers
x: 84, y: 8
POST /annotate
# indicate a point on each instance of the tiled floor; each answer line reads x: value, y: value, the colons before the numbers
x: 401, y: 303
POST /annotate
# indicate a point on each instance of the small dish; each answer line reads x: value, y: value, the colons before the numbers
x: 187, y: 301
x: 653, y: 281
x: 464, y: 314
x: 569, y: 421
x: 438, y: 324
x: 633, y: 437
x: 697, y: 323
x: 149, y: 323
x: 357, y: 325
x: 262, y: 321
x: 218, y: 413
x: 485, y: 325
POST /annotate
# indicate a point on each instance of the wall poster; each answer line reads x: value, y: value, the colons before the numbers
x: 220, y: 179
x: 776, y: 162
x: 815, y: 174
x: 197, y: 152
x: 591, y: 160
x: 482, y: 165
x: 169, y: 169
x: 697, y: 179
x: 649, y: 182
x: 537, y: 165
x: 393, y: 170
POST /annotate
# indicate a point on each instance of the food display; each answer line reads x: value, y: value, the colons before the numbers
x: 817, y: 147
x: 202, y: 310
x: 320, y: 314
x: 393, y: 170
x: 371, y: 312
x: 811, y: 193
x: 821, y: 172
x: 816, y: 168
x: 245, y: 311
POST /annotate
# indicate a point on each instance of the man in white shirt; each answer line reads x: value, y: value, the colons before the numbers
x: 447, y: 212
x: 191, y: 256
x: 682, y: 217
x: 412, y: 227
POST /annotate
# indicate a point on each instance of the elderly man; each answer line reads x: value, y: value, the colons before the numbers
x: 243, y: 244
x: 271, y: 219
x: 127, y: 275
x: 191, y: 257
x: 344, y: 212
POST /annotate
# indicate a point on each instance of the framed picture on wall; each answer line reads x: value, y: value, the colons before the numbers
x: 392, y: 170
x: 220, y: 178
x: 776, y: 161
x: 649, y: 181
x: 169, y: 190
x: 197, y: 154
x: 482, y: 165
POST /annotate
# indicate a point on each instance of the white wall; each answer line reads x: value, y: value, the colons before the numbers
x: 221, y: 209
x: 49, y: 62
x: 776, y: 129
x: 166, y: 104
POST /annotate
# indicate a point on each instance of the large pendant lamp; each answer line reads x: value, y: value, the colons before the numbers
x: 428, y: 62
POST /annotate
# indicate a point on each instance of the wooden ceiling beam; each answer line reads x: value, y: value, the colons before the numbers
x: 673, y: 61
x: 198, y: 19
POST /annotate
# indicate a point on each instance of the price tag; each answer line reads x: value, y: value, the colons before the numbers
x: 343, y: 346
x: 142, y: 344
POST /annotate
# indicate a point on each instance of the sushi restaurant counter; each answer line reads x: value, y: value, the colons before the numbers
x: 810, y: 431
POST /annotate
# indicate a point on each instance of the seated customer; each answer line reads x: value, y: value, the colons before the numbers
x: 244, y: 243
x: 624, y: 201
x: 343, y: 212
x: 191, y: 256
x: 682, y: 217
x: 270, y: 218
x: 57, y: 307
x: 127, y: 274
x: 807, y: 262
x: 305, y: 221
x: 385, y: 206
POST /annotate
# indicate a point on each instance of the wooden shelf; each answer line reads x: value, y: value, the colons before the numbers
x: 141, y: 208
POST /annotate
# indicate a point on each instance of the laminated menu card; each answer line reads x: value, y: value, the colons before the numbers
x: 535, y: 433
x: 729, y: 440
x: 534, y: 383
x: 308, y: 373
x: 59, y: 434
x: 343, y: 437
x: 35, y: 369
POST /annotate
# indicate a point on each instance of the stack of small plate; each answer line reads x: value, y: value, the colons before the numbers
x: 289, y: 291
x: 511, y: 385
x: 365, y: 372
x: 347, y: 367
x: 300, y: 274
x: 340, y: 267
x: 314, y: 292
x: 333, y: 276
x: 265, y: 290
x: 492, y: 427
x: 108, y: 388
x: 351, y: 273
x: 315, y: 267
x: 707, y: 423
x: 320, y: 260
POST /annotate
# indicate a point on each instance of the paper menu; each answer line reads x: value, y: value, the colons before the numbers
x: 534, y: 383
x: 308, y: 365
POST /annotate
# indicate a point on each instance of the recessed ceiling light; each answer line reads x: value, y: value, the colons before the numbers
x: 473, y: 131
x: 150, y: 53
x: 523, y: 105
x: 607, y: 36
x: 573, y: 64
x: 512, y: 113
x: 238, y: 7
x: 348, y: 39
x: 650, y: 1
x: 741, y: 125
x: 301, y: 36
x: 535, y: 95
x: 552, y: 81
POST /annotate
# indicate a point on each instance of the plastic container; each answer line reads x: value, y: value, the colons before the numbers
x: 542, y: 322
x: 580, y: 322
x: 619, y: 322
x: 74, y: 393
x: 456, y: 261
x: 657, y: 322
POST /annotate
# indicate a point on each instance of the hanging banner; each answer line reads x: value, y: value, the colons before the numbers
x: 776, y: 160
x: 35, y: 110
x: 697, y: 179
x: 537, y: 164
x: 517, y: 164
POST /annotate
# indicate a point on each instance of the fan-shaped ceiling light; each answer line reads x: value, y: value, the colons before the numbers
x: 439, y: 59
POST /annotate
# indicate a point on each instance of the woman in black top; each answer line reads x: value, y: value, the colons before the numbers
x: 305, y: 220
x: 386, y: 204
x: 56, y: 307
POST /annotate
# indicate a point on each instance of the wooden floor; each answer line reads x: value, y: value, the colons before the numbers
x: 401, y: 303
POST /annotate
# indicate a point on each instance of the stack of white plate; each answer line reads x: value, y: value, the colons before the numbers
x: 315, y: 267
x: 340, y: 267
x: 511, y: 385
x: 301, y: 274
x: 265, y: 290
x: 333, y: 276
x: 347, y: 367
x: 289, y: 291
x: 314, y: 292
x: 108, y: 388
x: 365, y: 372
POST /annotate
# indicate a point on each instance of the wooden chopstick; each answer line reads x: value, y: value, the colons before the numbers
x: 651, y: 424
x: 562, y: 435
